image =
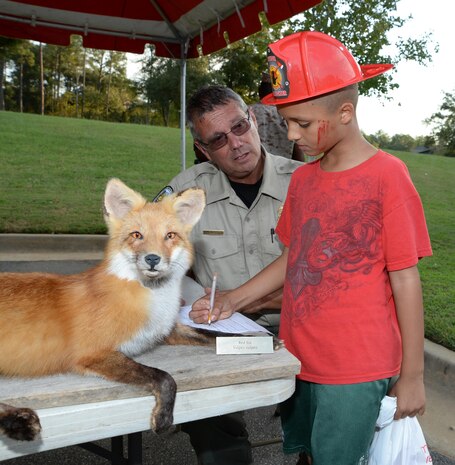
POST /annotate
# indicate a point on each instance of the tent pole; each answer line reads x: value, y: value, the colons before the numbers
x: 183, y: 106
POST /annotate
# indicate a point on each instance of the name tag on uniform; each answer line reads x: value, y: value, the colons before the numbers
x: 213, y: 232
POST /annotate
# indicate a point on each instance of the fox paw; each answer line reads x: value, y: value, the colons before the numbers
x: 277, y: 343
x: 161, y: 422
x: 20, y: 423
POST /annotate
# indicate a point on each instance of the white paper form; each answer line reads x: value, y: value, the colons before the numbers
x: 237, y: 323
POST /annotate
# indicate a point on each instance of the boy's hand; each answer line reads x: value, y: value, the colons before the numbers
x: 410, y: 394
x: 222, y: 308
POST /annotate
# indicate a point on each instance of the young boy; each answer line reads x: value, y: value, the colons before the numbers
x: 354, y: 230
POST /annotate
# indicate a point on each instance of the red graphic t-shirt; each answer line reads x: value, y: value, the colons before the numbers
x: 345, y: 231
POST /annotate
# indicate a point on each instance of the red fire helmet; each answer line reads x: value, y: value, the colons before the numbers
x: 307, y: 64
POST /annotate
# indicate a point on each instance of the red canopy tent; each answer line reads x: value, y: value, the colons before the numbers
x: 177, y: 28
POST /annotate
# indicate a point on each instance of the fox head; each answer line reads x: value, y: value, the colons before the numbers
x: 149, y: 241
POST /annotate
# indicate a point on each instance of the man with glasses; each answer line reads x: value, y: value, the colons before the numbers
x: 245, y: 188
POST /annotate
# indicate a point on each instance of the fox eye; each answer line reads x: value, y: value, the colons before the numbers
x: 136, y: 235
x: 170, y: 235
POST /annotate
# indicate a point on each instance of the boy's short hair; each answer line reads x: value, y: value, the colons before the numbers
x: 333, y: 100
x: 206, y: 99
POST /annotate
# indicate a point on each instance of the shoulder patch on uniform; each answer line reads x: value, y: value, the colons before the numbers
x: 163, y: 193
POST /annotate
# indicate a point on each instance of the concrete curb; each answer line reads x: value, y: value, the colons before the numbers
x: 440, y: 364
x: 45, y: 243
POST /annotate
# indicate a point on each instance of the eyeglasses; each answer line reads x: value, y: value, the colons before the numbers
x: 239, y: 128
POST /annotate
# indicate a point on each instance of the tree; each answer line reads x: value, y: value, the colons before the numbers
x: 161, y: 83
x: 93, y: 83
x: 363, y: 27
x: 23, y: 89
x: 444, y: 124
x: 73, y: 68
x: 8, y: 48
x: 426, y: 141
x: 380, y: 139
x: 23, y: 56
x: 96, y: 85
x: 242, y: 63
x: 402, y: 142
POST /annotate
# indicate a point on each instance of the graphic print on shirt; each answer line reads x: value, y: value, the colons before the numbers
x: 347, y: 242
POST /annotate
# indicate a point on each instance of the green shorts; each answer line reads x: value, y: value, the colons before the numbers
x: 332, y: 423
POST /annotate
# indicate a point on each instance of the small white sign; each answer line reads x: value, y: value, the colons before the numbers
x: 244, y: 345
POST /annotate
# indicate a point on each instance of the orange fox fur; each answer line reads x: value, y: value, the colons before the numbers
x: 93, y: 322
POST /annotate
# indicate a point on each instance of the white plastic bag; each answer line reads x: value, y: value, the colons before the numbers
x: 397, y: 442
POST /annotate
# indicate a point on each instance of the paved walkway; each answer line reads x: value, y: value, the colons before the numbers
x: 72, y: 254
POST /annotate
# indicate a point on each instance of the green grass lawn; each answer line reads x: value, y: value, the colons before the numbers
x: 54, y: 171
x: 434, y: 179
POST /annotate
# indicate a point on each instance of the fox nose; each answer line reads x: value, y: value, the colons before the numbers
x: 152, y: 260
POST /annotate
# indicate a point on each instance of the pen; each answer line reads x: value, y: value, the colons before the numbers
x: 272, y: 232
x: 212, y: 298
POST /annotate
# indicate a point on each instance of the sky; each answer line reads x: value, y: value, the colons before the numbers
x: 422, y: 88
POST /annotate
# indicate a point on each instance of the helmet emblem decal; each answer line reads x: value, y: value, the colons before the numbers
x: 278, y: 75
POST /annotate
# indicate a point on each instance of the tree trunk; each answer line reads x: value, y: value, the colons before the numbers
x: 2, y: 80
x: 77, y: 94
x: 59, y: 78
x: 83, y: 83
x: 41, y: 76
x: 147, y: 112
x: 100, y: 72
x: 165, y: 114
x: 109, y: 78
x: 21, y: 87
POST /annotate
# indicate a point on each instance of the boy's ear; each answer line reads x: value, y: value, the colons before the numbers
x: 347, y: 112
x: 119, y: 199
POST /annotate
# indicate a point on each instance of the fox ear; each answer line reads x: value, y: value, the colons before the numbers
x: 189, y: 205
x: 119, y: 199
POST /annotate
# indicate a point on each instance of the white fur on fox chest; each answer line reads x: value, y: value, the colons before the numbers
x: 163, y: 310
x: 164, y: 301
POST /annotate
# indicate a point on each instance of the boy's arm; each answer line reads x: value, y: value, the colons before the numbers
x: 267, y: 281
x: 409, y: 388
x: 271, y: 301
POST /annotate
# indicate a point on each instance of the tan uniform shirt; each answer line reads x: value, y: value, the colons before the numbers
x: 230, y: 239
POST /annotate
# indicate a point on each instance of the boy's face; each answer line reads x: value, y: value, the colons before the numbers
x: 313, y: 126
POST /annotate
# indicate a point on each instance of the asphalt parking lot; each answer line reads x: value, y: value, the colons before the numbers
x: 174, y: 448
